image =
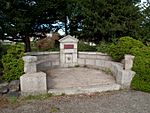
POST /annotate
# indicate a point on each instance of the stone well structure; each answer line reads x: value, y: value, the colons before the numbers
x: 34, y: 81
x: 68, y: 51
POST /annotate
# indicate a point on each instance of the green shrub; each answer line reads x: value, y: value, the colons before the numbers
x: 13, y: 63
x: 141, y: 83
x: 141, y: 65
x: 85, y: 47
x: 3, y: 50
x: 124, y: 46
x: 103, y: 47
x: 45, y: 44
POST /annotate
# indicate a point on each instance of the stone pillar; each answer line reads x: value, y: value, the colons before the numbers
x: 32, y: 82
x: 68, y: 51
x: 128, y: 63
x: 30, y: 64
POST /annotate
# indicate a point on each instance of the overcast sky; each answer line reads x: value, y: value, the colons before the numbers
x: 143, y: 0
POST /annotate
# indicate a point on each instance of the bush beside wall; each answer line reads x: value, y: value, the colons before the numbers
x: 85, y: 47
x: 13, y: 63
x: 128, y: 45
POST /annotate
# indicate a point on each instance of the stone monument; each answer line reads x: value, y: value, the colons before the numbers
x: 68, y: 51
x: 32, y: 82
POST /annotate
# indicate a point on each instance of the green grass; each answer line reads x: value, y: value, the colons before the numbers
x: 38, y: 97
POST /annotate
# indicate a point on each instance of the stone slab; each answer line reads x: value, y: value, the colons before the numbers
x: 83, y: 90
x: 34, y: 83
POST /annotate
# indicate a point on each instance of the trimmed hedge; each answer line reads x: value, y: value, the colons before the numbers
x: 124, y: 46
x: 128, y: 45
x: 103, y: 47
x: 85, y: 47
x: 13, y: 63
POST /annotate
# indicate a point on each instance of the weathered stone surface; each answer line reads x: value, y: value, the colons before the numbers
x: 13, y: 94
x: 30, y: 64
x: 4, y: 90
x: 128, y: 62
x: 34, y: 83
x: 3, y: 84
x: 29, y: 59
x: 14, y: 86
x: 68, y: 51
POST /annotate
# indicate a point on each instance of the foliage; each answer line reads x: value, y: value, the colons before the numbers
x: 145, y: 25
x: 38, y: 97
x: 141, y: 65
x: 105, y: 19
x: 13, y: 63
x: 45, y: 44
x: 3, y: 50
x: 142, y: 68
x: 124, y: 46
x: 141, y: 82
x: 103, y: 47
x: 85, y: 47
x: 91, y: 20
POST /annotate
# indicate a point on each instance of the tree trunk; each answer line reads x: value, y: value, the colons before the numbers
x: 26, y: 41
x: 66, y: 27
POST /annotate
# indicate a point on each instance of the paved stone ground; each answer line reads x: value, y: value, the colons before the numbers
x: 77, y: 77
x: 109, y: 102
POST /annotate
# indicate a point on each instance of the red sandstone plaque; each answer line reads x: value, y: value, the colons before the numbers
x: 68, y: 46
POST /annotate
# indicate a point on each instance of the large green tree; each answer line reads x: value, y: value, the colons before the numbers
x: 106, y: 20
x: 91, y: 20
x: 21, y: 19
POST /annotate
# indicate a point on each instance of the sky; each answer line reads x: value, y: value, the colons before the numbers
x: 143, y: 0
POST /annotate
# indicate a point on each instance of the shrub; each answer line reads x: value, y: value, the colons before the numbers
x: 13, y: 63
x: 3, y: 49
x: 124, y: 46
x: 85, y: 47
x: 141, y: 83
x: 141, y: 65
x: 45, y: 44
x: 103, y: 47
x: 142, y: 68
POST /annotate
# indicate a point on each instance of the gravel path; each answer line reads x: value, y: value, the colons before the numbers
x: 110, y: 102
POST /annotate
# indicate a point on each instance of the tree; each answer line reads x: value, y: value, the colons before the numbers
x: 145, y: 25
x: 106, y: 20
x: 91, y: 20
x: 22, y: 19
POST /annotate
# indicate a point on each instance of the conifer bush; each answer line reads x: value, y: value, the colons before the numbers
x: 13, y: 63
x: 141, y: 65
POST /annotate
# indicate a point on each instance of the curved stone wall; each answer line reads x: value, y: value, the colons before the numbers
x: 102, y: 61
x: 46, y: 60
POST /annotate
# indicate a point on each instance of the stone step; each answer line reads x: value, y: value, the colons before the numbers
x: 86, y: 90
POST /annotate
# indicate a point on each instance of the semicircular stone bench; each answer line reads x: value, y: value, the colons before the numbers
x: 39, y: 61
x: 122, y: 72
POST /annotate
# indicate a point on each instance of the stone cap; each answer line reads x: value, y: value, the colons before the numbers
x: 127, y: 56
x: 29, y: 58
x: 69, y: 39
